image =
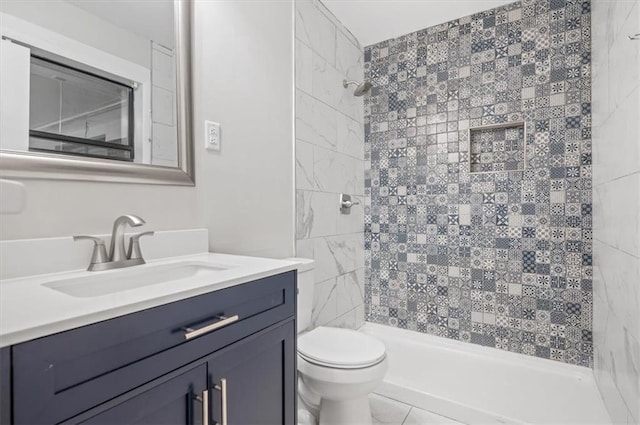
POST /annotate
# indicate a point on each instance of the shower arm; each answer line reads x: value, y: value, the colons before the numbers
x: 346, y: 83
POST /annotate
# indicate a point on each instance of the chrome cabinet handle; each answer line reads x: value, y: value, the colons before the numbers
x: 204, y: 399
x: 223, y: 398
x: 224, y: 321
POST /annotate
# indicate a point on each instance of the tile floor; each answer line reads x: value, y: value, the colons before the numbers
x: 386, y: 411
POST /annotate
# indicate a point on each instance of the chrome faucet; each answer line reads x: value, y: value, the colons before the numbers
x: 117, y: 256
x: 117, y: 252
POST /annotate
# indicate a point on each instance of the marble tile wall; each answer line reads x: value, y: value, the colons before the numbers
x: 503, y: 258
x: 616, y: 202
x: 329, y: 161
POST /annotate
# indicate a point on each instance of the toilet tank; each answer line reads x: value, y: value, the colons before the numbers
x: 306, y: 284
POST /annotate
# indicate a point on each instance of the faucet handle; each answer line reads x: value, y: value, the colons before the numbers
x: 134, y: 251
x: 99, y: 254
x: 346, y: 203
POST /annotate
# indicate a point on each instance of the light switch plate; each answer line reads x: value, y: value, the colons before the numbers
x: 212, y: 136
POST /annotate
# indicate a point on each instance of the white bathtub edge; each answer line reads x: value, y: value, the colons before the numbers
x: 540, y: 379
x: 413, y: 337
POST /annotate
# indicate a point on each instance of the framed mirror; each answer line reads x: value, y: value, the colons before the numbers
x: 96, y: 90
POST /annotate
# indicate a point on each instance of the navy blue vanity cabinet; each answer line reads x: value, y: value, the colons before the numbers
x: 171, y: 400
x: 246, y: 383
x: 151, y: 364
x: 251, y: 381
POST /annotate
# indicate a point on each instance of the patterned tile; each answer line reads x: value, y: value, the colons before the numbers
x: 497, y: 149
x: 504, y: 258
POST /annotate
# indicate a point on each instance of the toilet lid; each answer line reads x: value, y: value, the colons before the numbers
x: 340, y: 348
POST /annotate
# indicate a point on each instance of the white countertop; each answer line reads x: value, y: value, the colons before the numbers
x: 29, y: 310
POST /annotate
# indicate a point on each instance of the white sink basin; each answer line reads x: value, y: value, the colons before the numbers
x: 112, y: 281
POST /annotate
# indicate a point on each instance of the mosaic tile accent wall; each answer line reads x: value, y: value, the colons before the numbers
x: 497, y: 149
x: 501, y: 259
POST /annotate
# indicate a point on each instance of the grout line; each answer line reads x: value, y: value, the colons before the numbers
x: 616, y: 179
x: 324, y: 8
x: 408, y: 413
x: 352, y: 236
x: 335, y: 278
x: 332, y: 192
x: 298, y: 139
x: 616, y: 248
x: 612, y: 110
x: 331, y: 106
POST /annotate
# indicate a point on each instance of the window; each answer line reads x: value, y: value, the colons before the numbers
x: 74, y: 112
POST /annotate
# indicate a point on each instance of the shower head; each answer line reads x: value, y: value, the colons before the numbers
x: 361, y: 89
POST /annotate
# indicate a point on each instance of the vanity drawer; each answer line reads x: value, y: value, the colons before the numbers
x: 58, y: 376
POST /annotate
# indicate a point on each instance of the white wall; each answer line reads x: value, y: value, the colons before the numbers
x: 616, y: 206
x: 134, y: 16
x: 244, y: 81
x: 373, y: 21
x: 329, y: 161
x: 58, y: 208
x: 244, y: 195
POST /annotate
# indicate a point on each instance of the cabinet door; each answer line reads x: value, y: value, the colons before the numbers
x: 174, y: 399
x: 76, y: 370
x: 255, y: 379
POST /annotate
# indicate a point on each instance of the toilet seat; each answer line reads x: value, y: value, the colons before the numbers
x: 340, y: 348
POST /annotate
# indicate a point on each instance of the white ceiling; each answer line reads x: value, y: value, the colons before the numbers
x: 372, y: 21
x: 151, y: 19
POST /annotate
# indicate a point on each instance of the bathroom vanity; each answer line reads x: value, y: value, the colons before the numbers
x: 216, y: 348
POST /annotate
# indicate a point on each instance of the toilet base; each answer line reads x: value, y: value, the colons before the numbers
x: 355, y: 411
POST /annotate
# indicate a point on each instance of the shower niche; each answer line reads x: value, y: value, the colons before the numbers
x: 497, y: 147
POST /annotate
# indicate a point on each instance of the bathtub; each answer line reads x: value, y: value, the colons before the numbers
x: 481, y: 385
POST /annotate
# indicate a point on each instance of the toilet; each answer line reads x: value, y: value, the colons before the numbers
x: 337, y: 368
